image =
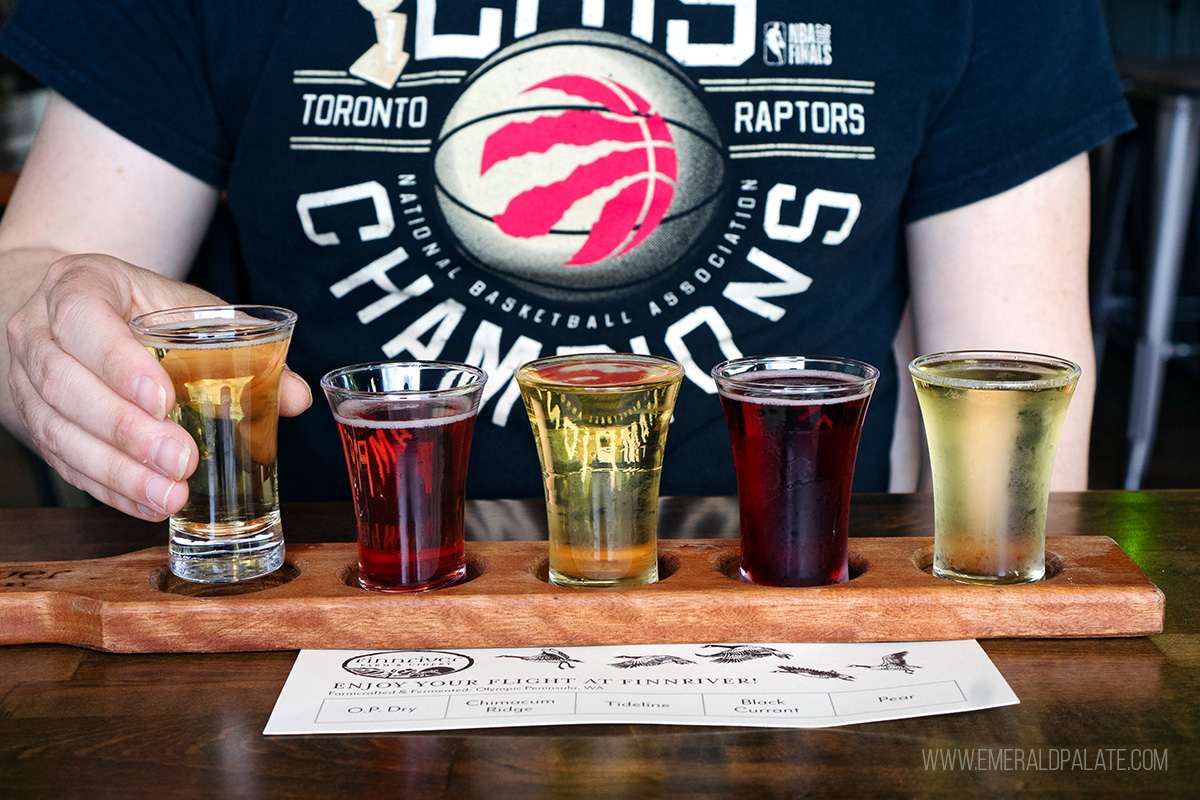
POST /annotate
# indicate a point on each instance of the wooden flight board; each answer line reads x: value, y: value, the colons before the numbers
x: 131, y: 603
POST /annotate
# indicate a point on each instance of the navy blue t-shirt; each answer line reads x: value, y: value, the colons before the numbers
x: 500, y: 180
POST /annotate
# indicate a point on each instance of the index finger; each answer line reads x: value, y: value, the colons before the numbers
x: 88, y: 325
x: 89, y: 301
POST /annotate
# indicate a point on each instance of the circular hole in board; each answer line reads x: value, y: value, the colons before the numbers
x: 164, y: 580
x: 475, y: 567
x: 668, y: 565
x: 922, y: 559
x: 729, y: 565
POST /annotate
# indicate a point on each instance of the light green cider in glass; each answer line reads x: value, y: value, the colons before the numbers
x: 992, y: 426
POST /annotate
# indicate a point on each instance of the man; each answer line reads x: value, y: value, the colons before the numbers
x: 522, y: 179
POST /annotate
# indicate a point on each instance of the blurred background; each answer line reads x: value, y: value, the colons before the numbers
x: 1145, y: 260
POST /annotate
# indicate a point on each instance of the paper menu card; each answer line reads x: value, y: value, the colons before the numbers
x: 761, y: 685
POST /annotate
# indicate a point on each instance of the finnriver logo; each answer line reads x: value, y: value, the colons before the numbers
x: 405, y: 664
x: 797, y: 44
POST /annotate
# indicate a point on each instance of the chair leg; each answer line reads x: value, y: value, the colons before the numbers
x: 1177, y: 149
x: 1109, y: 231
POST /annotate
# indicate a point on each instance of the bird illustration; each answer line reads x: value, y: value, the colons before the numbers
x: 895, y: 661
x: 815, y: 673
x: 735, y: 653
x: 551, y: 656
x: 649, y: 661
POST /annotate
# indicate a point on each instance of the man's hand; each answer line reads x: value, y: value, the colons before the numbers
x: 74, y: 382
x: 92, y: 400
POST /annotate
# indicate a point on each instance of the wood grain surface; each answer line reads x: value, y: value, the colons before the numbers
x: 132, y: 603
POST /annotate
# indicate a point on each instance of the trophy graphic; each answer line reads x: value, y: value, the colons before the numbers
x: 384, y: 61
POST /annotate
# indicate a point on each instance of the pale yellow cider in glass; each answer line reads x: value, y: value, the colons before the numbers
x: 225, y: 364
x: 227, y: 398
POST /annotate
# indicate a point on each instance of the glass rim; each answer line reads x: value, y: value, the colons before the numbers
x: 735, y: 381
x: 143, y: 325
x: 478, y: 375
x: 675, y: 375
x: 1070, y: 371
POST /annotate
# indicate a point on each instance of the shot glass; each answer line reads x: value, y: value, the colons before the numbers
x: 992, y: 420
x: 406, y: 431
x: 600, y: 421
x: 225, y: 363
x: 794, y: 423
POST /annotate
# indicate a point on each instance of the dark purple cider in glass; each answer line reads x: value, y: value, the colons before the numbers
x: 408, y: 477
x: 795, y: 465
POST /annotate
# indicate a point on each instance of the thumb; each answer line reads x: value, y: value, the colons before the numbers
x: 294, y: 394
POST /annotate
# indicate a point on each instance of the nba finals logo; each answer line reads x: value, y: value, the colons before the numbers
x: 775, y: 44
x: 578, y: 161
x: 797, y: 44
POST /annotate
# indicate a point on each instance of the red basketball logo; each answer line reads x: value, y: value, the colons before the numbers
x: 578, y: 160
x: 642, y: 163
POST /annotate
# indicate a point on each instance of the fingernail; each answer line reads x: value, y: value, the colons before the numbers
x: 158, y: 489
x: 171, y: 458
x: 148, y: 512
x: 151, y: 397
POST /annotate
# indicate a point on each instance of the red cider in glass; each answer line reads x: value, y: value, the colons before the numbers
x: 407, y: 439
x: 794, y: 423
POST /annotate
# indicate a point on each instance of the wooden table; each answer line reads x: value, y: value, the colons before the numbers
x: 78, y: 723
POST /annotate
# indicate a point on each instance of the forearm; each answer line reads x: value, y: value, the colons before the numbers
x: 99, y: 231
x: 84, y: 189
x: 1010, y: 273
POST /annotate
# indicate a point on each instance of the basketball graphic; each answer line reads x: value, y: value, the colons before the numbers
x: 578, y: 161
x: 647, y: 170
